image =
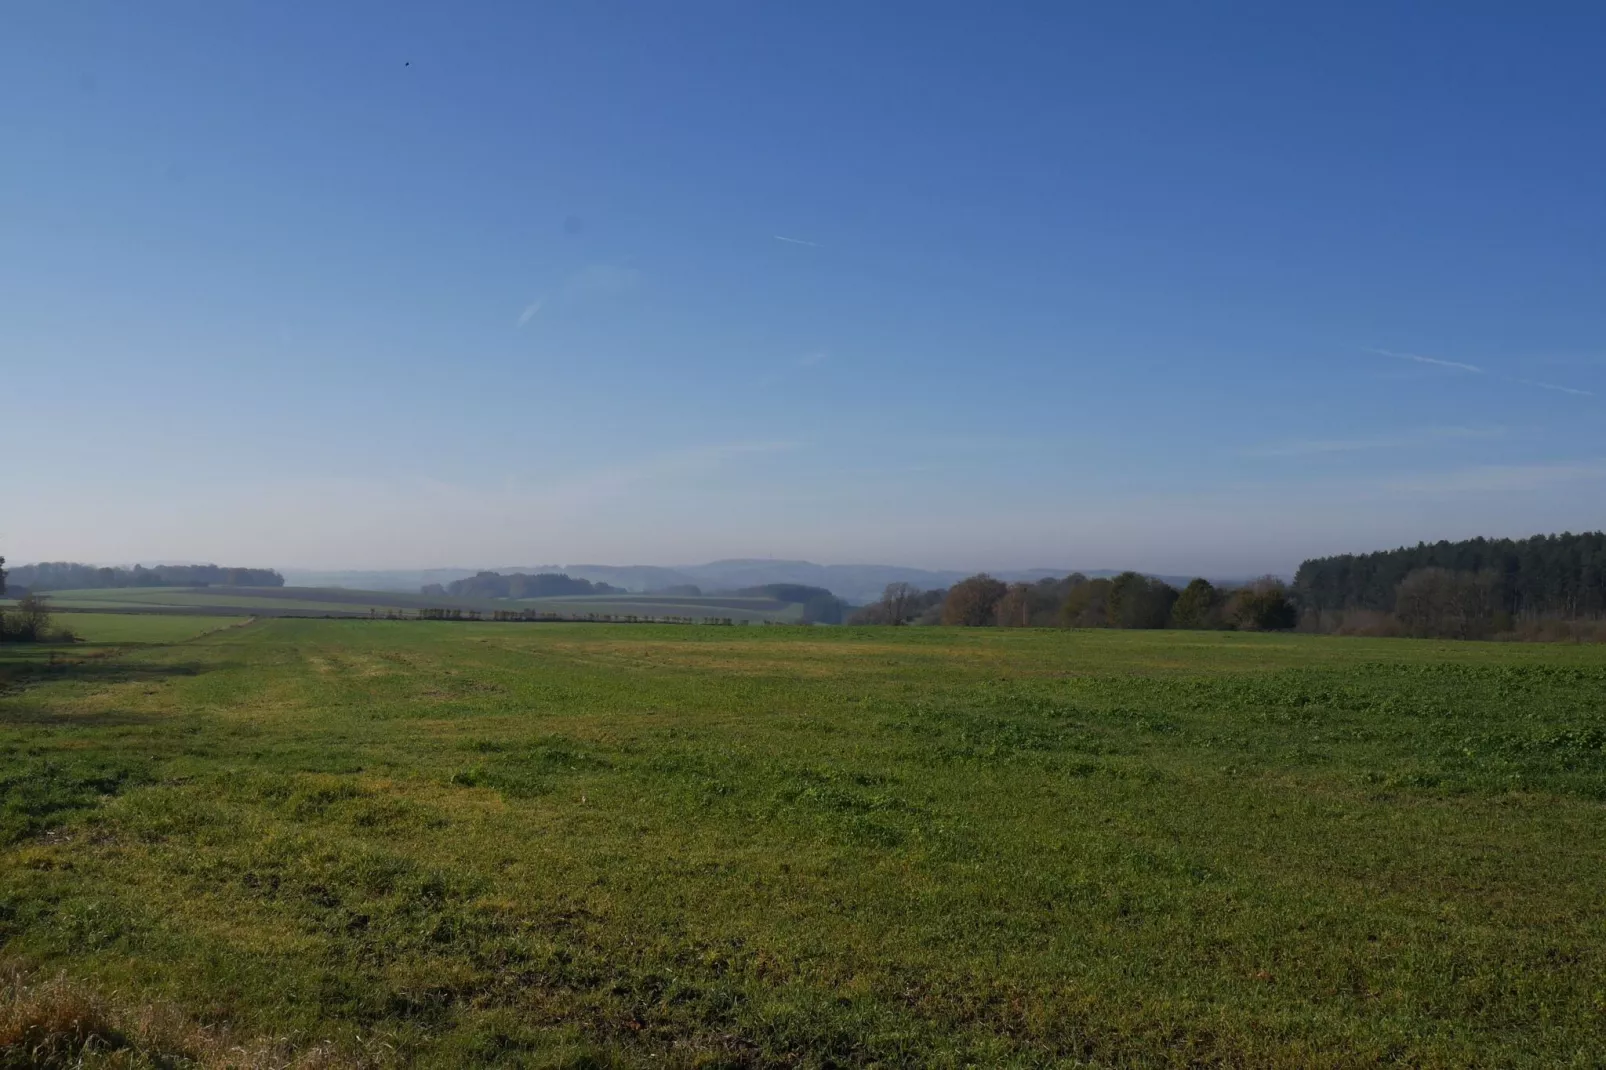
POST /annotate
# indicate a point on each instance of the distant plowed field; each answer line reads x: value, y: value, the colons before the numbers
x: 343, y: 602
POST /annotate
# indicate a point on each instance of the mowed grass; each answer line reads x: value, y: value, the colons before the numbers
x: 99, y: 630
x: 450, y: 845
x: 100, y: 638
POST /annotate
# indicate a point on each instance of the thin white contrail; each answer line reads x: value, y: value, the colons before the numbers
x: 797, y: 241
x: 1473, y: 368
x: 530, y: 310
x: 1561, y: 389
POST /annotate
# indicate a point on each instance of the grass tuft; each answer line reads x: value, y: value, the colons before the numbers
x: 56, y: 1023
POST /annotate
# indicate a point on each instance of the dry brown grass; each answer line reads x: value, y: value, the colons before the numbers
x: 1378, y: 625
x: 51, y: 1022
x: 1557, y: 631
x: 1361, y: 622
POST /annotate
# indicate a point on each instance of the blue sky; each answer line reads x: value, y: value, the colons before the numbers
x: 1178, y: 287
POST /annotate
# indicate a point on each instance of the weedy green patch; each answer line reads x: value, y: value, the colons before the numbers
x: 380, y: 843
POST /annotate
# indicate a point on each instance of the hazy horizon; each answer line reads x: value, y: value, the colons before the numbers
x: 529, y: 563
x: 1163, y: 289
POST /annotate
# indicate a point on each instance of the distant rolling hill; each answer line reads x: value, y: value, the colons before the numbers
x: 855, y: 583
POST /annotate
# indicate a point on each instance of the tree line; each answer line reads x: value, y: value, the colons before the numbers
x: 1562, y: 576
x: 520, y: 585
x: 1129, y: 600
x: 73, y: 576
x: 1545, y: 587
x: 508, y: 616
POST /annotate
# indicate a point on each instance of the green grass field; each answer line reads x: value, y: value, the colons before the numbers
x: 115, y: 630
x: 396, y: 843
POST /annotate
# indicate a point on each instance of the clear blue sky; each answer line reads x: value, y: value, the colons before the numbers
x: 1177, y: 287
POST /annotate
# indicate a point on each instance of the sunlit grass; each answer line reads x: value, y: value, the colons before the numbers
x: 457, y: 844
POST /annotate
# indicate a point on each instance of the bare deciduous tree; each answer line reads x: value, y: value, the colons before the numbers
x: 898, y: 602
x: 1443, y: 602
x: 1015, y: 608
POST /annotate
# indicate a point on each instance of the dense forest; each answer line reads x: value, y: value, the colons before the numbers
x: 72, y: 576
x: 521, y: 585
x: 1560, y: 576
x: 1129, y: 600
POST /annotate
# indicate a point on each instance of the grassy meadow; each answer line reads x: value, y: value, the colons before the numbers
x: 344, y: 842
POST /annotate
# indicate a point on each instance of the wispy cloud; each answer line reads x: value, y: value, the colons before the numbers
x: 592, y: 281
x: 1503, y: 477
x: 1461, y: 366
x: 1396, y: 440
x: 1420, y: 359
x: 797, y: 241
x: 809, y: 360
x: 1559, y: 389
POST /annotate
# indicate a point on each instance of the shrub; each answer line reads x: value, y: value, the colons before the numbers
x: 31, y: 622
x: 973, y: 602
x: 1198, y: 606
x: 1086, y: 605
x: 1136, y: 601
x: 1262, y: 606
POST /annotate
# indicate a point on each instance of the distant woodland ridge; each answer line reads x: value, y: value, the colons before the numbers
x: 71, y: 576
x: 520, y: 585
